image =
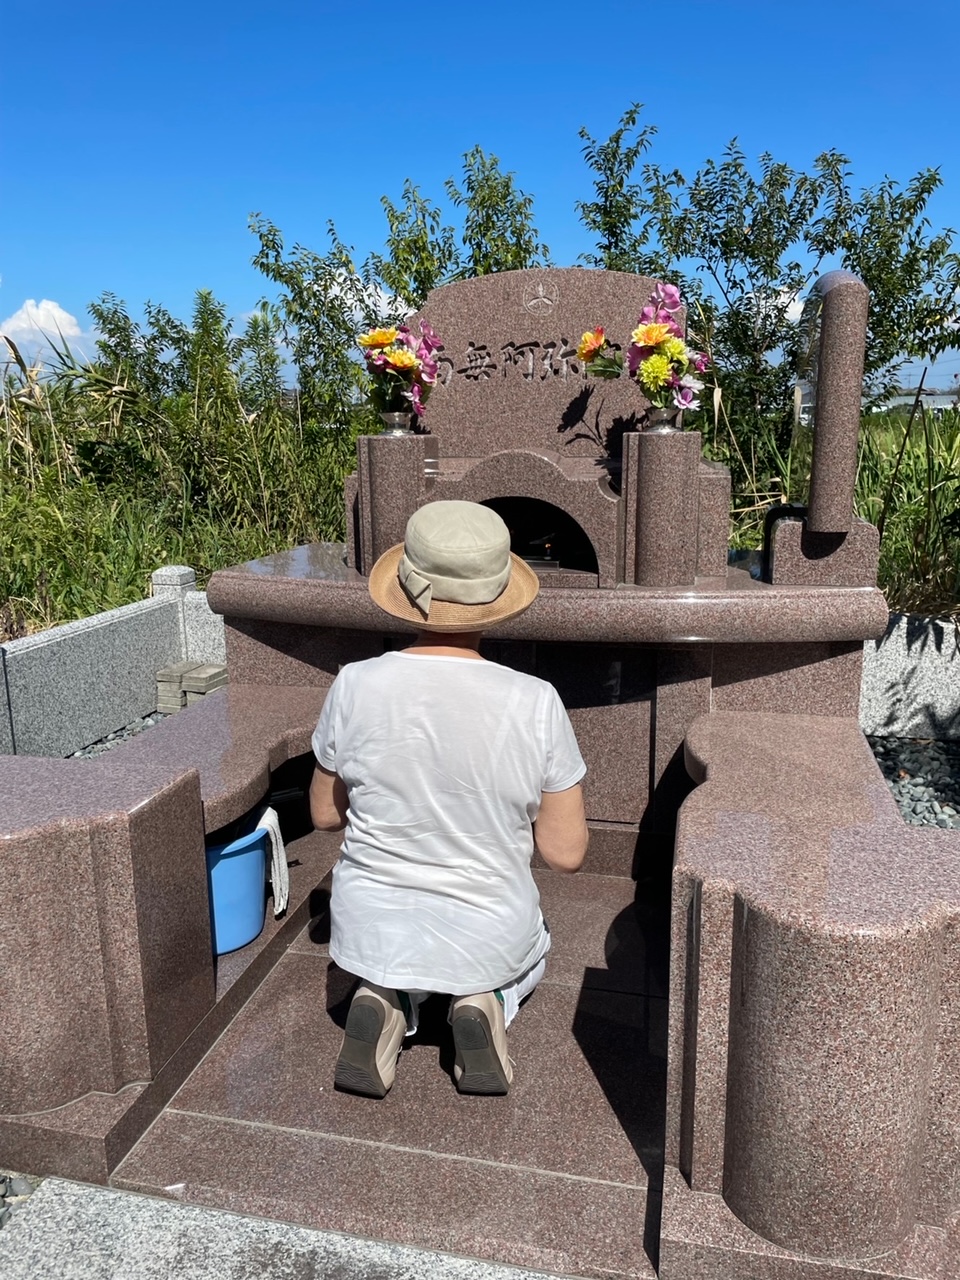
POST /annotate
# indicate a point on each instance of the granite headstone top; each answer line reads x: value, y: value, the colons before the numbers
x: 509, y: 374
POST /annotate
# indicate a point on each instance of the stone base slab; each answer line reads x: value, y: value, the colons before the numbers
x: 701, y: 1239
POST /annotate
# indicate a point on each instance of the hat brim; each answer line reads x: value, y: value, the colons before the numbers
x: 387, y: 593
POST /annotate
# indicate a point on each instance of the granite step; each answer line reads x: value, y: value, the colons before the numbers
x: 562, y: 1175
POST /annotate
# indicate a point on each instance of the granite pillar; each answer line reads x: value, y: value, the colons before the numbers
x: 119, y: 897
x: 713, y: 525
x: 829, y: 1072
x: 667, y: 493
x: 843, y: 333
x: 393, y: 483
x: 811, y: 1117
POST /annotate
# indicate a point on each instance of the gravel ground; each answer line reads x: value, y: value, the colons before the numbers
x: 924, y: 776
x: 120, y: 735
x: 15, y: 1190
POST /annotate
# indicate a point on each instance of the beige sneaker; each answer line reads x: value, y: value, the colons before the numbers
x: 480, y: 1039
x: 376, y: 1025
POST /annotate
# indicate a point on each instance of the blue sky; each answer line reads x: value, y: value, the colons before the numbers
x: 137, y: 139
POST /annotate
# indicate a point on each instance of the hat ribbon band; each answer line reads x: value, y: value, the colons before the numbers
x: 421, y: 587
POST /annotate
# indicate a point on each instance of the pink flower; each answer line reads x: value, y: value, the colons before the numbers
x: 702, y: 362
x: 413, y: 395
x: 429, y: 339
x: 652, y: 314
x: 668, y: 295
x: 636, y: 356
x: 429, y: 369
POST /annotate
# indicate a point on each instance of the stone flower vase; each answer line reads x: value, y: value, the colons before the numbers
x: 662, y: 422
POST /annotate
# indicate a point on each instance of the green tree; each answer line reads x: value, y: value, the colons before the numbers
x: 421, y: 253
x: 913, y: 274
x: 498, y: 229
x: 322, y: 304
x: 261, y: 366
x: 758, y: 242
x: 746, y: 243
x: 621, y: 215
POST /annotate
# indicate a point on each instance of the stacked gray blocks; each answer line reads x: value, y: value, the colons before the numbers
x: 184, y: 683
x: 170, y: 696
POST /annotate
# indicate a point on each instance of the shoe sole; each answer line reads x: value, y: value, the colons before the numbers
x: 357, y: 1064
x: 481, y: 1070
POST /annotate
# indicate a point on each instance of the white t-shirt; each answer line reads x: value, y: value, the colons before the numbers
x: 444, y: 760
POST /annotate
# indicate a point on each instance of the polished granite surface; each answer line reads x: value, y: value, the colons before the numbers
x: 525, y: 1179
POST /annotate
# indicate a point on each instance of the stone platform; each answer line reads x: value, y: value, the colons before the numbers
x: 562, y: 1175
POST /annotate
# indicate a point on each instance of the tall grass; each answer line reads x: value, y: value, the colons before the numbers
x: 908, y: 484
x: 111, y: 468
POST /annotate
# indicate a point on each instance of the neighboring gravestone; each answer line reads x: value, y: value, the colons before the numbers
x: 509, y: 373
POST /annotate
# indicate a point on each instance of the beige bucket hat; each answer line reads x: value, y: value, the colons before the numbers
x: 454, y: 571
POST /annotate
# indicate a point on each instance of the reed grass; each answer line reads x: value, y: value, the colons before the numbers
x: 101, y: 482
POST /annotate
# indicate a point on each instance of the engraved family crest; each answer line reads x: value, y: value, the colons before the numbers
x: 540, y: 298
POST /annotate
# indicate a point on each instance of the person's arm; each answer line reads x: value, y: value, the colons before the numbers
x: 328, y: 800
x: 560, y: 831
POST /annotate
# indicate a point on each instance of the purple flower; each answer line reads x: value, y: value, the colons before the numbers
x: 685, y: 398
x: 429, y: 368
x: 702, y: 362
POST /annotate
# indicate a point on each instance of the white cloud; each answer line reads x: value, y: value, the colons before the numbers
x: 794, y: 310
x: 36, y: 320
x: 39, y: 328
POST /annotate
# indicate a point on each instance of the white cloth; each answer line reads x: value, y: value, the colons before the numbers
x: 514, y: 994
x: 277, y: 874
x: 444, y: 760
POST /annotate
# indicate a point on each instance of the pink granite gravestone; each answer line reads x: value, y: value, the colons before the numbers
x: 812, y: 1102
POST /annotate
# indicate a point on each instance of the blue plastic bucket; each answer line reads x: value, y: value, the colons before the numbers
x: 237, y: 879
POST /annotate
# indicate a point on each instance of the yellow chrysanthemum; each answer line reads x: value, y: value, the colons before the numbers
x: 654, y: 372
x: 591, y: 342
x: 402, y: 358
x: 378, y: 338
x: 673, y: 349
x: 650, y: 335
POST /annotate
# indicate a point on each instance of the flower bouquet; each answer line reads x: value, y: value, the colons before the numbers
x: 658, y: 358
x: 402, y: 367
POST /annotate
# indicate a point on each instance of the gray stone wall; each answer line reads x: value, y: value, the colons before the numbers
x: 71, y: 685
x: 911, y: 680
